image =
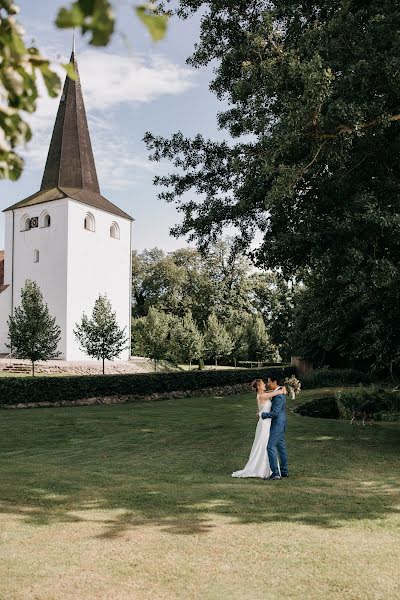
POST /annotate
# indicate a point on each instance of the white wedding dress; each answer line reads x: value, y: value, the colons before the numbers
x: 258, y: 463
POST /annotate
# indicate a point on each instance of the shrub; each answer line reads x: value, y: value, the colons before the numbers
x: 383, y: 405
x: 15, y: 390
x: 334, y: 377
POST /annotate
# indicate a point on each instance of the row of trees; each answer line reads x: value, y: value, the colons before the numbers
x: 160, y: 335
x: 220, y: 287
x: 35, y: 335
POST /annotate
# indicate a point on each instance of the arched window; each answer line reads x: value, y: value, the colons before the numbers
x: 44, y: 219
x: 89, y: 222
x: 36, y: 256
x: 25, y: 223
x: 114, y: 231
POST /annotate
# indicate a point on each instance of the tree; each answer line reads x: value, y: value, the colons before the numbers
x: 186, y: 340
x: 184, y: 280
x: 33, y: 332
x: 312, y: 93
x: 100, y: 336
x: 238, y: 334
x: 259, y: 344
x: 276, y: 298
x: 21, y: 65
x: 151, y: 335
x: 217, y: 341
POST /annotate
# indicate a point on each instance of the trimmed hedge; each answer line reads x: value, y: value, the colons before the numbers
x: 334, y: 377
x: 382, y: 405
x: 21, y: 390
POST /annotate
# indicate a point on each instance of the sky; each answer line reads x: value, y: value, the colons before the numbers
x: 129, y: 87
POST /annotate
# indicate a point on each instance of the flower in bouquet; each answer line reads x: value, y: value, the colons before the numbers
x: 293, y: 385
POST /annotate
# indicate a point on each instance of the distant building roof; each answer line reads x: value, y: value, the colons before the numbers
x: 70, y: 170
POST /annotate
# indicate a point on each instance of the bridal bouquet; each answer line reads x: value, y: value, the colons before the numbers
x: 293, y: 385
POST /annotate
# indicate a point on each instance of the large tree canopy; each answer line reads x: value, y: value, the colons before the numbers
x: 313, y: 94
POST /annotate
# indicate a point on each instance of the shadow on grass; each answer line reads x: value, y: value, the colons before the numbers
x: 124, y: 473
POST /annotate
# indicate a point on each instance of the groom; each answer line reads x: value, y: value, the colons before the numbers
x: 276, y: 442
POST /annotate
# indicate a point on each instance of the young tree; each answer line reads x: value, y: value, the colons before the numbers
x: 240, y: 344
x: 32, y: 331
x: 151, y: 335
x: 186, y: 339
x: 100, y: 336
x: 260, y: 347
x: 217, y: 341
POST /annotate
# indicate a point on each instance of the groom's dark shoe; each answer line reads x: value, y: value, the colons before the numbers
x: 273, y: 477
x: 284, y: 474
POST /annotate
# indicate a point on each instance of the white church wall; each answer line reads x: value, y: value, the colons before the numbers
x: 50, y: 270
x: 5, y: 296
x: 5, y: 303
x: 97, y: 264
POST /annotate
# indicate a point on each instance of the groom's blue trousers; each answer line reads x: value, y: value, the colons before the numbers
x: 277, y: 445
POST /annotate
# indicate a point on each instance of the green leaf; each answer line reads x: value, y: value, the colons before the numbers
x: 72, y: 74
x: 51, y: 80
x: 72, y: 17
x: 13, y: 81
x: 155, y: 24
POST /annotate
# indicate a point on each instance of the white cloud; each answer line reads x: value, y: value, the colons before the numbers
x: 110, y: 82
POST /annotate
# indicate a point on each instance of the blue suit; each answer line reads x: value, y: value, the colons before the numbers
x: 276, y: 442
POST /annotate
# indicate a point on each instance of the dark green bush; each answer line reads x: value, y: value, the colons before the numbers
x: 15, y: 390
x: 382, y: 405
x: 334, y: 377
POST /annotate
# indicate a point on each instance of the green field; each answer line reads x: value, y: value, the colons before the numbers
x: 136, y: 502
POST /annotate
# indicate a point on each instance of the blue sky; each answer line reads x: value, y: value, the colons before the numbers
x: 129, y: 88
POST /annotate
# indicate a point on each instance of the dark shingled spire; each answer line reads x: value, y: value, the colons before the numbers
x: 70, y: 161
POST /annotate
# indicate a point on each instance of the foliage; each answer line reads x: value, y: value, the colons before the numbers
x: 259, y: 345
x: 334, y: 377
x: 20, y: 66
x: 217, y: 341
x: 14, y: 390
x: 382, y: 405
x: 276, y: 298
x: 151, y: 335
x: 33, y: 332
x: 312, y: 104
x: 239, y: 336
x: 100, y: 336
x: 186, y: 340
x: 156, y: 23
x: 222, y: 282
x: 351, y: 317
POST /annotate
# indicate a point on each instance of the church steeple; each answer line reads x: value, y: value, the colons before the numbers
x: 70, y: 162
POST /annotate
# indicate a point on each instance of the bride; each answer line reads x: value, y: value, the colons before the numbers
x: 258, y: 463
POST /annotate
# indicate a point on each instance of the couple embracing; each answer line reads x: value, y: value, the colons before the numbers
x: 269, y: 441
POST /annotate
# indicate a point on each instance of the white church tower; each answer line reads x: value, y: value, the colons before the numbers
x: 67, y: 237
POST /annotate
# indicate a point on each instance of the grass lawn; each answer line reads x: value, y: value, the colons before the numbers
x: 136, y: 502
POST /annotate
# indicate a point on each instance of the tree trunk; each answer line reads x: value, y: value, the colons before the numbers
x: 33, y: 368
x: 216, y: 362
x: 190, y: 364
x: 155, y: 365
x: 235, y: 362
x: 103, y: 366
